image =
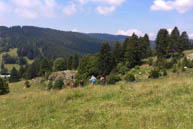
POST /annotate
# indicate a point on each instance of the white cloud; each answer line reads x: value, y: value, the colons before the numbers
x: 105, y: 10
x: 69, y: 9
x: 139, y: 33
x: 74, y: 30
x: 169, y: 30
x: 109, y: 2
x: 129, y: 32
x: 104, y: 7
x: 181, y: 6
x: 191, y: 36
x: 34, y: 9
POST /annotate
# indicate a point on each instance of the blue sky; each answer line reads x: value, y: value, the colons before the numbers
x: 100, y: 16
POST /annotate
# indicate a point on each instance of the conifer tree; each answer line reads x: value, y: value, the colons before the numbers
x: 174, y: 43
x: 69, y: 64
x: 162, y: 42
x: 117, y: 52
x: 106, y: 63
x: 14, y: 75
x: 124, y: 46
x: 75, y: 62
x: 21, y: 71
x: 184, y: 41
x: 133, y: 53
x: 44, y: 66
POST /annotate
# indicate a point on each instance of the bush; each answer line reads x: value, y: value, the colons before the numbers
x: 154, y: 73
x: 4, y: 87
x: 112, y: 79
x: 122, y: 69
x: 27, y: 84
x: 58, y: 84
x: 165, y: 73
x: 49, y: 86
x: 130, y: 78
x: 150, y: 62
x: 174, y: 70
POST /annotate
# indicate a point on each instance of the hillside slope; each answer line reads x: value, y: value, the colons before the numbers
x: 52, y: 43
x: 164, y: 103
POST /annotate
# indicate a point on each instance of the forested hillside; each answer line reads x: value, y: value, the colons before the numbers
x: 35, y: 41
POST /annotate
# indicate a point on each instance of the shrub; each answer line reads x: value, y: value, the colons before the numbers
x: 49, y: 86
x: 150, y: 62
x: 58, y: 84
x: 112, y: 79
x: 27, y: 84
x: 122, y: 69
x: 4, y: 87
x: 154, y: 73
x: 130, y: 78
x: 165, y: 73
x: 174, y: 70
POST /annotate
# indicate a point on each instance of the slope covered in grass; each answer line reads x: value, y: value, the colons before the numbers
x: 13, y: 52
x: 165, y: 103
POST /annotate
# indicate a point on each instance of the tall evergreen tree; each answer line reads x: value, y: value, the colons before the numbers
x: 106, y: 63
x: 184, y: 41
x: 14, y: 75
x: 75, y: 62
x: 70, y: 60
x: 133, y: 53
x: 45, y: 67
x: 145, y: 46
x: 117, y: 53
x: 124, y: 46
x: 162, y: 42
x: 174, y: 43
x: 21, y: 71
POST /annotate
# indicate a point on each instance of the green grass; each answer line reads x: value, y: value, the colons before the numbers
x: 165, y: 103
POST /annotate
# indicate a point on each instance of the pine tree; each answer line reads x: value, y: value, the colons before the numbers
x: 14, y: 75
x: 21, y: 71
x: 174, y: 44
x: 117, y: 53
x: 69, y: 64
x: 162, y: 42
x: 106, y: 63
x: 145, y: 46
x: 124, y: 46
x: 133, y: 53
x: 44, y: 67
x: 184, y: 41
x: 75, y: 62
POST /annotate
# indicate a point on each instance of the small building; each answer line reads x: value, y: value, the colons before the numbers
x: 5, y: 76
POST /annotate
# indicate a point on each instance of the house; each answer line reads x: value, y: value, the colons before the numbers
x: 5, y: 76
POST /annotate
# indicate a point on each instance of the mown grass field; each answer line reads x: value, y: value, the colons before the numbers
x: 165, y: 103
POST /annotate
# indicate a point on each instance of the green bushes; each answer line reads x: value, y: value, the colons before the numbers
x: 58, y: 84
x: 130, y: 78
x: 154, y: 73
x: 4, y: 87
x: 112, y: 79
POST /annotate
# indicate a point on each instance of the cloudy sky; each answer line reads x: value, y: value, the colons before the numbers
x: 104, y: 16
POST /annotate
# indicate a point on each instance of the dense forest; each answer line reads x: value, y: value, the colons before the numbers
x: 34, y: 41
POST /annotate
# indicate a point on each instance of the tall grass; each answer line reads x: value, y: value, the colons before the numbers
x: 165, y: 103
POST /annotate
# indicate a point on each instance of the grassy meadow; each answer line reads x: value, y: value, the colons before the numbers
x: 165, y: 103
x: 13, y: 52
